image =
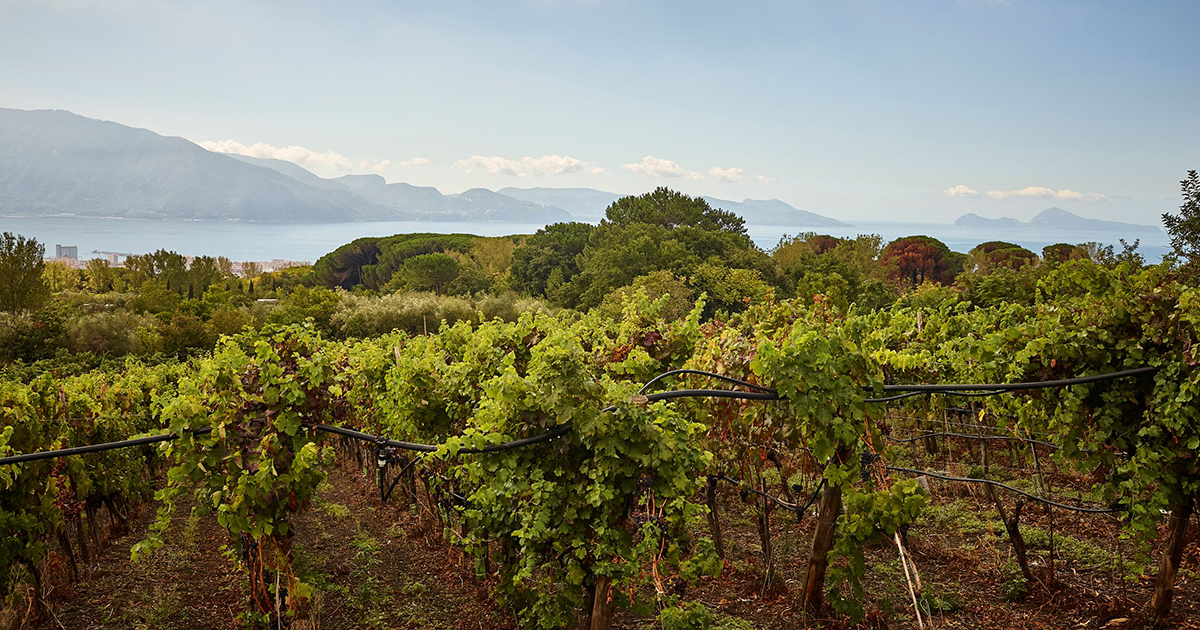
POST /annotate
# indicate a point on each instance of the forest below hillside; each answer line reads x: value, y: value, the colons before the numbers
x: 646, y: 423
x: 161, y: 307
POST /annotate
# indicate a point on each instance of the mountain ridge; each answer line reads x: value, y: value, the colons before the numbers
x: 1054, y: 218
x: 57, y: 163
x: 589, y: 203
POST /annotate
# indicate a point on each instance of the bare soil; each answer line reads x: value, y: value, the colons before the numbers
x: 385, y: 565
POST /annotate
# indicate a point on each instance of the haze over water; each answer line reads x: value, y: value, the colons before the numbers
x: 260, y: 241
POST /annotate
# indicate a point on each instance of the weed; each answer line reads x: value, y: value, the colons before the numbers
x: 942, y: 601
x: 414, y: 589
x: 335, y: 510
x: 1015, y: 590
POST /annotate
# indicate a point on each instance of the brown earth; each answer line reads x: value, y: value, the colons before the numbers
x: 377, y: 565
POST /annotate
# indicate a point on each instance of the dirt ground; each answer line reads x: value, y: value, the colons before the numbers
x: 377, y: 565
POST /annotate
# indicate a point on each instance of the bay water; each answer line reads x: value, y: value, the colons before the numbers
x: 308, y: 242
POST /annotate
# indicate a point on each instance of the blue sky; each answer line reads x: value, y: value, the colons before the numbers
x: 863, y: 110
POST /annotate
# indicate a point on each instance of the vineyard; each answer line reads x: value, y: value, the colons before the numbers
x: 595, y: 471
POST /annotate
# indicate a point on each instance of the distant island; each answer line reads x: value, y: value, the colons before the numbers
x: 55, y: 163
x: 1053, y: 219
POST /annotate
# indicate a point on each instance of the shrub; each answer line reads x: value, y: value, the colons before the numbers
x: 114, y: 333
x: 414, y: 313
x: 418, y: 313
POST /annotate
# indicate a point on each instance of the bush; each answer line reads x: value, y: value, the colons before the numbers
x: 418, y: 313
x: 184, y: 334
x: 508, y: 306
x: 414, y: 313
x: 113, y: 333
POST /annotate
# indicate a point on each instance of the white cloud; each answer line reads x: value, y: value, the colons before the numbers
x: 961, y: 191
x: 763, y: 179
x: 537, y: 167
x: 557, y: 165
x: 329, y: 160
x: 1047, y: 193
x: 413, y: 162
x: 651, y: 166
x: 494, y: 165
x: 727, y: 175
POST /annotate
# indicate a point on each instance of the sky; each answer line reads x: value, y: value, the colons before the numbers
x: 914, y: 111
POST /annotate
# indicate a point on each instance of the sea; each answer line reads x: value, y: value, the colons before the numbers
x: 238, y: 241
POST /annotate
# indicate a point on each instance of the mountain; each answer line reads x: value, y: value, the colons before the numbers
x: 295, y: 171
x: 58, y: 163
x: 590, y: 204
x: 583, y: 203
x: 425, y: 202
x: 55, y: 162
x: 1054, y: 219
x: 481, y: 204
x: 975, y: 221
x: 774, y: 212
x: 1059, y: 219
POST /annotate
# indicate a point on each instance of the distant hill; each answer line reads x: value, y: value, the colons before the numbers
x: 1054, y: 219
x: 1059, y: 219
x: 426, y: 202
x: 975, y: 221
x: 590, y: 204
x: 586, y: 204
x: 55, y: 163
x: 774, y: 212
x: 58, y: 163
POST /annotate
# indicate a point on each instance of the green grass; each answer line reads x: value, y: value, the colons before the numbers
x: 160, y: 610
x: 1082, y: 553
x: 335, y: 510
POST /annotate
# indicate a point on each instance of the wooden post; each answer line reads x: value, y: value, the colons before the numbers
x: 828, y: 510
x: 1164, y: 585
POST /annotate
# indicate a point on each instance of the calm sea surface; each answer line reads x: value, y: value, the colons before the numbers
x: 259, y: 241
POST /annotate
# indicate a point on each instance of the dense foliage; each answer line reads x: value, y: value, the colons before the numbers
x: 612, y: 513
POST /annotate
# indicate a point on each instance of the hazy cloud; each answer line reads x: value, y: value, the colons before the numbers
x: 328, y: 160
x: 495, y: 165
x: 651, y: 166
x: 728, y: 175
x: 1047, y: 193
x: 557, y: 165
x: 961, y: 191
x: 413, y: 162
x: 763, y: 179
x: 545, y: 165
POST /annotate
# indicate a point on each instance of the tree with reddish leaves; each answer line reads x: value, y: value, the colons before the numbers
x: 994, y: 254
x: 913, y: 260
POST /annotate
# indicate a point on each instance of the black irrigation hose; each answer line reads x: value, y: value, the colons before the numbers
x: 387, y: 459
x: 563, y: 429
x: 946, y: 393
x: 703, y: 393
x: 774, y: 499
x: 791, y: 507
x: 96, y: 448
x: 1073, y: 508
x: 969, y: 436
x: 552, y: 434
x: 721, y: 377
x: 1012, y: 387
x: 894, y: 398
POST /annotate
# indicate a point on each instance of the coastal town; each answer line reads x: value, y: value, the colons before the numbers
x: 69, y: 255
